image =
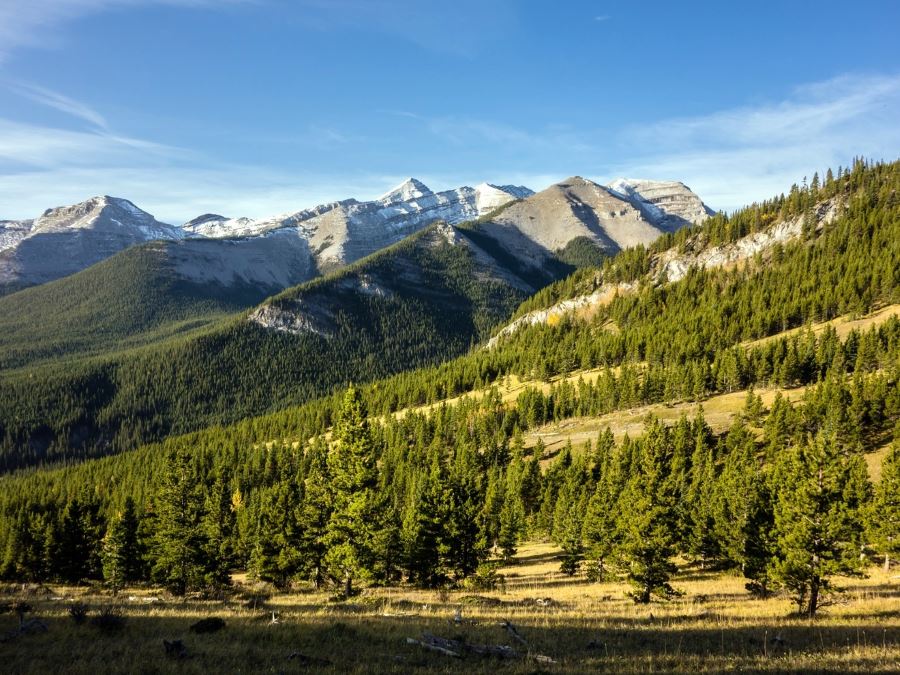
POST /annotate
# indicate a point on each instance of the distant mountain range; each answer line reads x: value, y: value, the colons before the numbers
x: 274, y: 253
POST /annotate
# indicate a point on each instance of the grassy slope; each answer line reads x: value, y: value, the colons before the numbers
x: 584, y: 627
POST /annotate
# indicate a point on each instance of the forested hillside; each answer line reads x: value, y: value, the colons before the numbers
x: 430, y: 498
x: 424, y: 300
x: 682, y: 331
x: 130, y: 299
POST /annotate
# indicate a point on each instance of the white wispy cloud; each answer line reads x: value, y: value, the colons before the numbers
x: 732, y: 157
x: 32, y: 23
x: 54, y: 99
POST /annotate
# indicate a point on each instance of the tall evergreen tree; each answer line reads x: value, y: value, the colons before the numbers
x: 354, y: 519
x: 313, y: 517
x: 122, y: 550
x: 179, y: 542
x: 743, y: 512
x: 648, y: 519
x: 818, y: 530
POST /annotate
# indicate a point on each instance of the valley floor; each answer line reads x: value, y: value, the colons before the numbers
x: 583, y: 627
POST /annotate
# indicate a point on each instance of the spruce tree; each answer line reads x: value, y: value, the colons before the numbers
x: 512, y: 523
x: 821, y: 488
x: 884, y: 515
x: 743, y: 512
x: 219, y: 523
x: 569, y: 536
x: 276, y: 555
x: 423, y: 529
x: 354, y: 519
x: 313, y: 517
x: 122, y: 550
x: 179, y: 542
x: 648, y: 519
x: 464, y: 549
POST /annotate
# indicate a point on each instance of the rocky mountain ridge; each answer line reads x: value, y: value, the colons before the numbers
x: 287, y: 249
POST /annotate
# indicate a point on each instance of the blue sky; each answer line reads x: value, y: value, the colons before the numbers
x: 256, y: 107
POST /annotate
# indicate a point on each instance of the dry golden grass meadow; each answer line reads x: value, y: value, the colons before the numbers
x: 569, y: 625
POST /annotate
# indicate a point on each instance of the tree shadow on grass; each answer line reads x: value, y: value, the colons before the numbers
x: 364, y: 642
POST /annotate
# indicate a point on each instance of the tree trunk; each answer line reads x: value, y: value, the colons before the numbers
x: 813, y: 597
x: 348, y: 586
x: 887, y: 562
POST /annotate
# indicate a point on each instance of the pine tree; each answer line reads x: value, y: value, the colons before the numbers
x: 313, y: 517
x: 569, y: 536
x: 743, y: 513
x: 512, y: 523
x: 75, y: 554
x: 464, y: 549
x: 354, y: 520
x: 276, y: 555
x: 648, y: 518
x: 423, y: 529
x: 818, y: 531
x: 218, y: 528
x: 701, y: 540
x: 122, y: 550
x: 884, y: 515
x: 179, y: 543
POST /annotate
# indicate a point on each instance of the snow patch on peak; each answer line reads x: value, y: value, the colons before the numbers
x: 489, y: 196
x: 126, y: 205
x: 408, y: 190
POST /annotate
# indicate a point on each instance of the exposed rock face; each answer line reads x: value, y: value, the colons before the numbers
x: 342, y: 232
x: 669, y: 204
x: 273, y: 261
x: 68, y: 239
x: 302, y: 317
x: 12, y: 232
x: 546, y: 222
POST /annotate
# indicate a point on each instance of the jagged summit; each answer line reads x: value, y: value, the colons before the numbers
x: 67, y: 239
x: 411, y: 188
x: 671, y: 204
x: 330, y: 235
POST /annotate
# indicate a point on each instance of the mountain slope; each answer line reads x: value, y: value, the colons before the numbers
x: 606, y: 220
x: 342, y: 232
x: 137, y: 296
x: 67, y: 239
x: 423, y: 300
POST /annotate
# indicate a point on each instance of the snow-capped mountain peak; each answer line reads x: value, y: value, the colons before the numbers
x: 410, y: 189
x: 669, y: 203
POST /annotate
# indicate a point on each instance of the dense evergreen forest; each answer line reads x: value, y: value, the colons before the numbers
x: 340, y: 492
x: 131, y: 299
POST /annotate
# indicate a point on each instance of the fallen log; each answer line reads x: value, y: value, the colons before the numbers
x: 431, y: 645
x: 514, y: 633
x: 459, y: 649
